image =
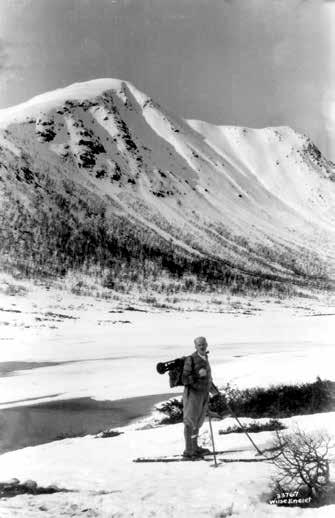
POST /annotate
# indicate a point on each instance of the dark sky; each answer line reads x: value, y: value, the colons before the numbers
x: 245, y: 62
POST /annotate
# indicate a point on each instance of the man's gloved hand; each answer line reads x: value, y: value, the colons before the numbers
x: 213, y: 415
x: 202, y: 373
x: 218, y: 404
x: 215, y: 392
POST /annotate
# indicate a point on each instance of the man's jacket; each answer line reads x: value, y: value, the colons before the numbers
x: 191, y: 378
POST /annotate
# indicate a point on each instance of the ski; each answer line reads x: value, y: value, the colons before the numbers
x: 254, y: 459
x: 208, y: 457
x: 178, y: 457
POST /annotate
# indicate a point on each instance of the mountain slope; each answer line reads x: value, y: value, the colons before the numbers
x: 98, y: 172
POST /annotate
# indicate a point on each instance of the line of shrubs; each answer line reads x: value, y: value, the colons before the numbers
x: 254, y: 427
x: 275, y: 401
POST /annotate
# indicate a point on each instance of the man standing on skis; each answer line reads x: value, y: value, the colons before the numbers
x: 198, y: 383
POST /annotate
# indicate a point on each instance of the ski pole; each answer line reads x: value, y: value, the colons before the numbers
x: 240, y: 424
x: 212, y: 437
x: 244, y: 430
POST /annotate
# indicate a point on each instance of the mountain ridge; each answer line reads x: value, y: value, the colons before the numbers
x: 259, y: 202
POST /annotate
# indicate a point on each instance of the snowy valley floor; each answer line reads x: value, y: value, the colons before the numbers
x: 106, y: 483
x: 70, y: 347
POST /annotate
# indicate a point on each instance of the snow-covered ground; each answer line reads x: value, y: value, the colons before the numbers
x: 106, y: 352
x: 106, y: 483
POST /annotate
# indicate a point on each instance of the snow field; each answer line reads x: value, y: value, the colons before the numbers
x: 89, y: 465
x: 110, y: 359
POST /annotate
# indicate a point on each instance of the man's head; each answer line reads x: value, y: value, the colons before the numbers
x: 201, y: 344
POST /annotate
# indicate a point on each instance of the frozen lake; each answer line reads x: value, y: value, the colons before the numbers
x: 73, y: 347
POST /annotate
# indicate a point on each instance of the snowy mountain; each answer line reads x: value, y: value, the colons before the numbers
x: 98, y: 173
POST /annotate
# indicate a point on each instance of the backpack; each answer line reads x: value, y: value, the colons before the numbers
x: 175, y: 369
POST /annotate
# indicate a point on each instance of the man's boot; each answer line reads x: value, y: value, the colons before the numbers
x: 198, y: 450
x: 189, y: 451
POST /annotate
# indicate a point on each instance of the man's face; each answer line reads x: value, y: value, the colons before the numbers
x: 201, y: 347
